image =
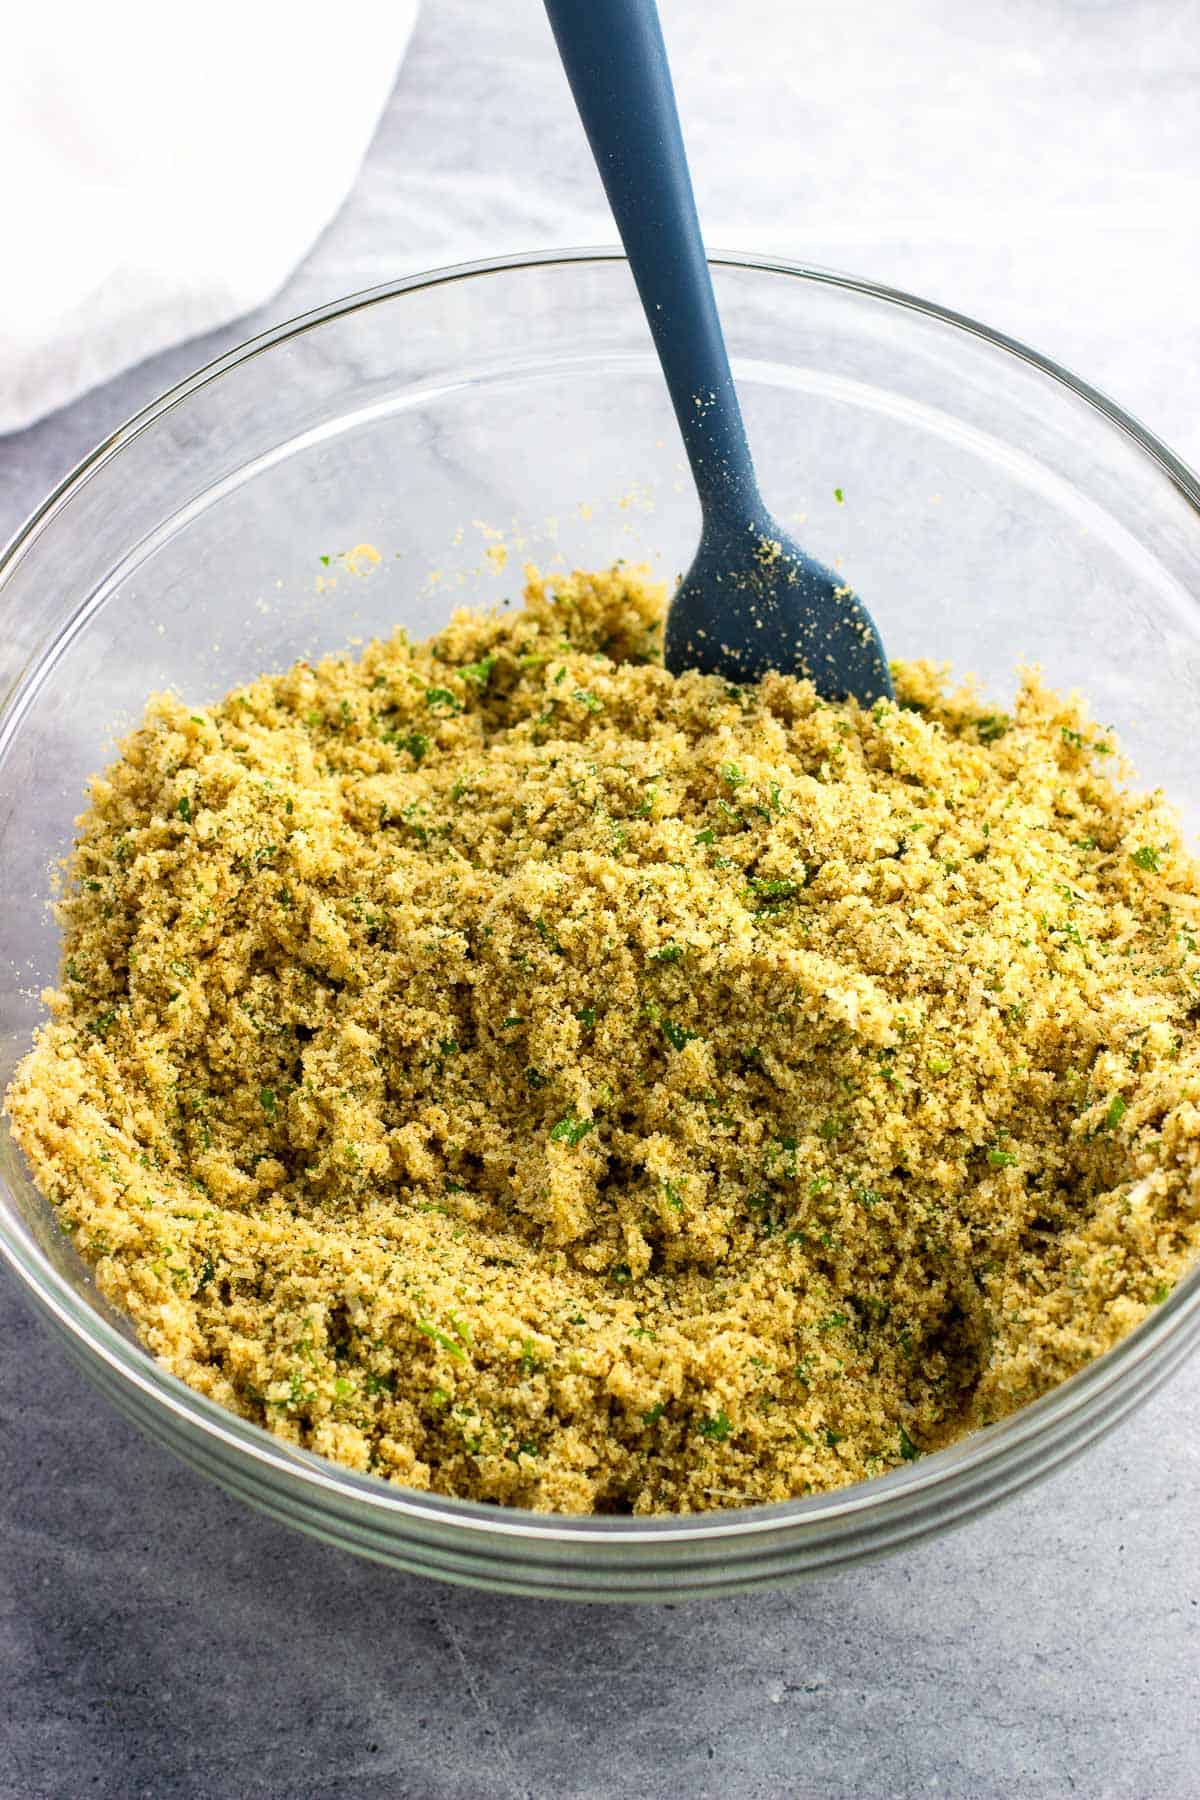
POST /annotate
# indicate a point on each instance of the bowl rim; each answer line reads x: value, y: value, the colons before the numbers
x: 895, y: 1492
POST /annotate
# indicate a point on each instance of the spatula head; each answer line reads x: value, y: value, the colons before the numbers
x: 753, y: 601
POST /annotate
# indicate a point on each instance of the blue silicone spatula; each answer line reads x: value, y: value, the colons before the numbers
x: 752, y: 600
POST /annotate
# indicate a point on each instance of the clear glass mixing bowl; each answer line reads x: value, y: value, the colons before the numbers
x: 991, y: 508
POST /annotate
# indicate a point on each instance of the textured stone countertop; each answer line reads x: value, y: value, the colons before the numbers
x: 1035, y: 164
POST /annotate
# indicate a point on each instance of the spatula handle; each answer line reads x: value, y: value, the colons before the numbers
x: 616, y: 63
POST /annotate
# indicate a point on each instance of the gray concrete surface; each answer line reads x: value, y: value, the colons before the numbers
x: 1035, y: 163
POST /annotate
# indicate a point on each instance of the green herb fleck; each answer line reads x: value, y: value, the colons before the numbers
x: 1117, y: 1108
x: 440, y: 699
x: 571, y: 1130
x: 478, y: 672
x: 415, y: 742
x: 547, y: 936
x: 771, y: 891
x: 439, y: 1337
x: 715, y: 1428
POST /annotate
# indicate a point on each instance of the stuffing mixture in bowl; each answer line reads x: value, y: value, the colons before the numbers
x: 505, y: 1067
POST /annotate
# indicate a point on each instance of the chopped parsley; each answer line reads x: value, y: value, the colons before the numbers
x: 547, y: 936
x: 478, y: 673
x: 716, y: 1428
x: 440, y: 699
x: 1117, y: 1108
x: 415, y: 742
x: 571, y: 1130
x: 441, y: 1340
x: 771, y: 892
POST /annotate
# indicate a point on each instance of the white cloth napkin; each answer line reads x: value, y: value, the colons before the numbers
x: 163, y: 169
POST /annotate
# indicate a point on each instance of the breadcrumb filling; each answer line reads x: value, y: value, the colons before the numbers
x: 503, y: 1066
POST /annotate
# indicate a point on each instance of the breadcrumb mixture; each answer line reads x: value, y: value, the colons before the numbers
x: 501, y: 1065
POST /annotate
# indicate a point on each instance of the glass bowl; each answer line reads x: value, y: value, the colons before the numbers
x: 988, y: 505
